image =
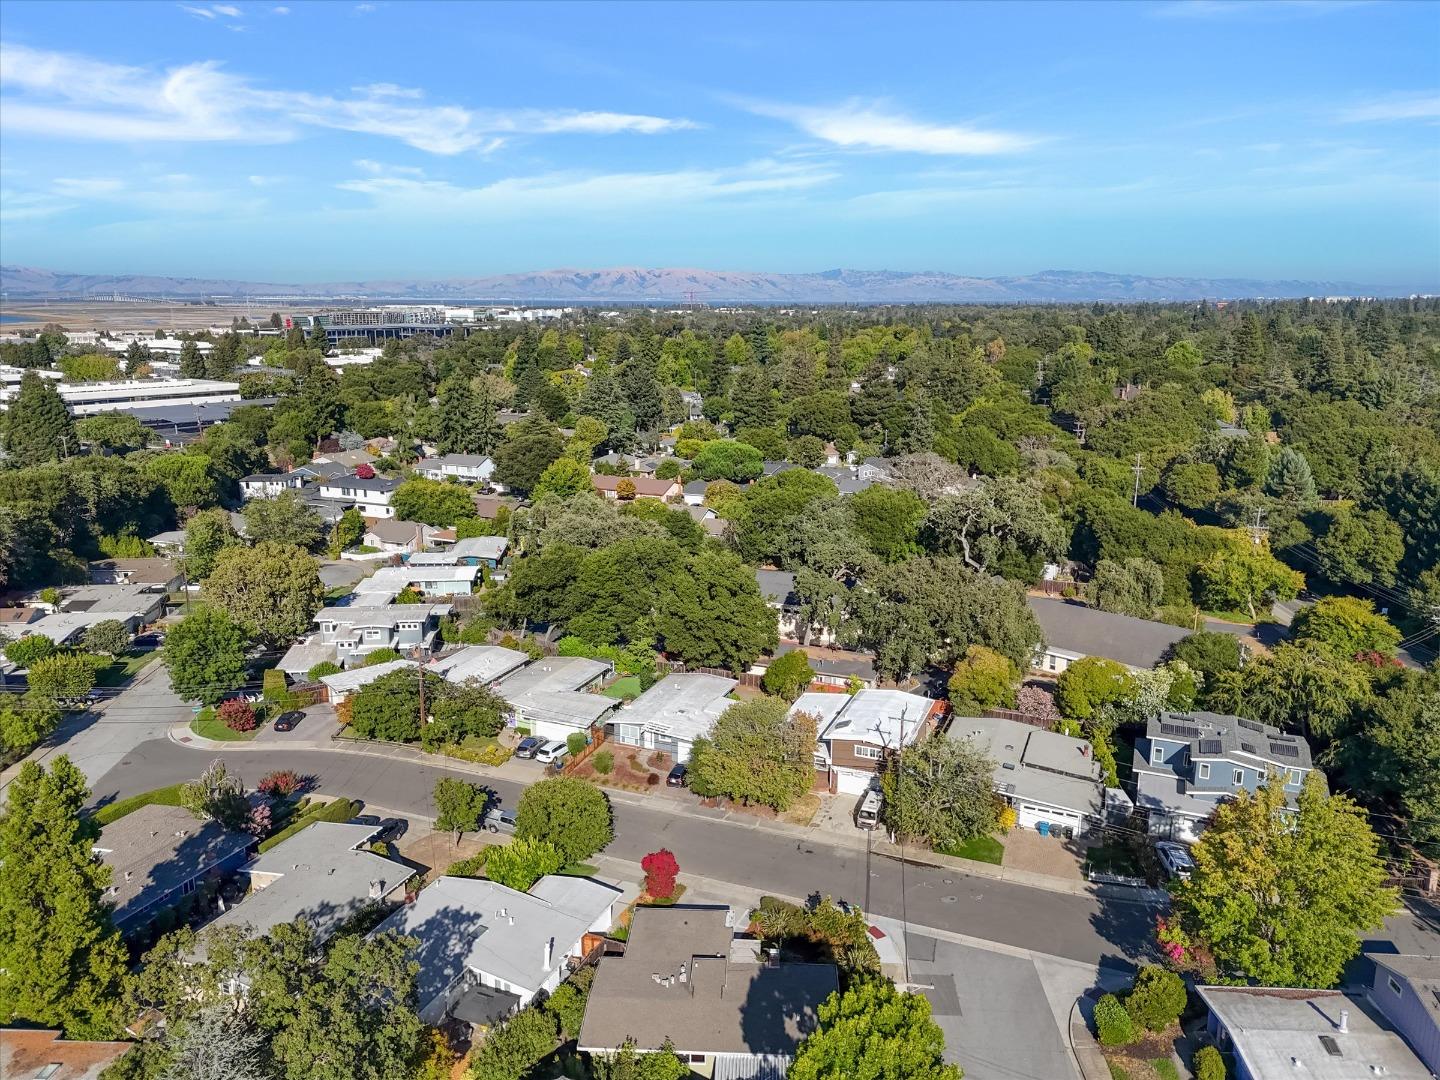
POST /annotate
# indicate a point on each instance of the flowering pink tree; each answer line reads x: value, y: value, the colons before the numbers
x: 259, y: 821
x: 1037, y: 702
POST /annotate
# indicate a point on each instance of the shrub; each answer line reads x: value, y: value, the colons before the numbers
x: 29, y: 650
x: 1113, y: 1026
x: 237, y: 715
x: 661, y: 870
x: 339, y: 810
x: 494, y: 754
x: 1209, y: 1064
x: 473, y: 867
x: 520, y: 863
x: 1008, y: 818
x: 320, y: 670
x: 272, y: 685
x: 258, y: 823
x: 576, y: 742
x: 652, y: 780
x: 1157, y: 998
x: 281, y: 783
x: 604, y: 762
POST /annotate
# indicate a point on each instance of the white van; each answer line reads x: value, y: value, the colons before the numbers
x: 867, y: 810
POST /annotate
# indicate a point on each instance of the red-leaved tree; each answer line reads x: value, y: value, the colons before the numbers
x: 237, y: 715
x: 661, y: 870
x: 365, y: 471
x: 281, y: 783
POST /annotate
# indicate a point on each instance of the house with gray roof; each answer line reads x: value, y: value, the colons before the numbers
x: 319, y: 874
x: 471, y: 468
x: 485, y: 950
x: 482, y: 663
x: 1186, y: 764
x: 344, y: 683
x: 832, y: 667
x: 1073, y: 631
x: 1275, y: 1033
x: 472, y: 551
x: 159, y: 854
x: 551, y: 697
x: 694, y: 492
x: 673, y: 713
x: 355, y: 630
x: 426, y: 578
x: 684, y: 977
x: 778, y: 589
x: 1044, y: 775
x: 371, y: 496
x: 1406, y: 990
x: 269, y: 485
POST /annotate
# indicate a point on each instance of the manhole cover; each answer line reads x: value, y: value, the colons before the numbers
x: 947, y: 881
x: 949, y: 899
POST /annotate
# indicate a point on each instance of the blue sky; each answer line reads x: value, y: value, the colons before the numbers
x: 337, y: 141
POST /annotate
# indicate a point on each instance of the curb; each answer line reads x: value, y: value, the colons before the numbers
x: 182, y: 735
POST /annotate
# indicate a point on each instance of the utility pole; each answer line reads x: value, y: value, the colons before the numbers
x: 1256, y: 530
x: 1138, y: 469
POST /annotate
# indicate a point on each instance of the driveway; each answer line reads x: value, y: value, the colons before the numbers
x: 342, y: 572
x: 98, y: 740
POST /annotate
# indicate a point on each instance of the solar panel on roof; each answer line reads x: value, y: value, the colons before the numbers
x: 1252, y: 725
x: 1282, y: 750
x: 1331, y: 1046
x: 1249, y: 748
x: 1182, y: 731
x: 1209, y: 746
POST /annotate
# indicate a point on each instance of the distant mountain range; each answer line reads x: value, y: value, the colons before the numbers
x: 638, y: 285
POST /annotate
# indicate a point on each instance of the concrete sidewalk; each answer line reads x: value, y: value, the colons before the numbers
x: 681, y: 801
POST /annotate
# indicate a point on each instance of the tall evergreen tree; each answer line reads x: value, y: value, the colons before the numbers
x: 224, y: 357
x: 136, y: 354
x: 61, y: 959
x: 318, y: 339
x: 38, y: 427
x: 641, y: 380
x: 192, y: 364
x: 467, y: 420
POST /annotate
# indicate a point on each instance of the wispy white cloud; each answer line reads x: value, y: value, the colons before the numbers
x: 77, y: 97
x: 214, y: 11
x: 1419, y: 106
x: 379, y: 168
x: 85, y: 187
x: 279, y: 11
x: 1268, y: 10
x: 385, y: 89
x: 365, y: 9
x: 553, y: 193
x: 870, y: 126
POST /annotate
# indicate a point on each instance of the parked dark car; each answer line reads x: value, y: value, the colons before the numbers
x: 391, y: 829
x: 286, y: 721
x: 498, y: 821
x: 678, y: 776
x: 527, y: 746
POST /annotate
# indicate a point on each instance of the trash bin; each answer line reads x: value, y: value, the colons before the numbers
x: 1069, y: 832
x: 1043, y: 828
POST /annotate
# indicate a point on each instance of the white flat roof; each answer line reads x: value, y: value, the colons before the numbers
x: 867, y: 716
x: 349, y: 681
x: 684, y: 704
x: 484, y: 662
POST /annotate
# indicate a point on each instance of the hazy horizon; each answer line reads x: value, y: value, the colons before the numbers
x: 310, y: 143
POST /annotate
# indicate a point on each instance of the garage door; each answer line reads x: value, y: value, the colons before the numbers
x: 852, y: 781
x: 668, y: 745
x: 548, y: 729
x: 1030, y: 816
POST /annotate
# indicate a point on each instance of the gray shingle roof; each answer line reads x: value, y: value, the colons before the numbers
x: 1136, y: 643
x: 725, y: 1005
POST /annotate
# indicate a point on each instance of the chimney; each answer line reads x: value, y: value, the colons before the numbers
x: 549, y: 950
x: 1344, y: 1021
x: 377, y: 889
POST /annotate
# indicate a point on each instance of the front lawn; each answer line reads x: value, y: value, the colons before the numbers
x: 125, y: 668
x: 626, y: 688
x: 980, y: 849
x: 1113, y: 858
x: 208, y: 726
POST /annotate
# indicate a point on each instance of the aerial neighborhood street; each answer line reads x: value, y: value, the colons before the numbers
x: 695, y: 663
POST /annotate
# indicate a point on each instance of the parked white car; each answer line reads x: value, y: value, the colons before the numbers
x: 1175, y: 858
x: 551, y: 752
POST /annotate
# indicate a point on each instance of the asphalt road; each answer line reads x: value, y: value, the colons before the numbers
x: 1077, y: 928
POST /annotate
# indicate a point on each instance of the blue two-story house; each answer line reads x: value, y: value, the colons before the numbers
x: 1188, y: 763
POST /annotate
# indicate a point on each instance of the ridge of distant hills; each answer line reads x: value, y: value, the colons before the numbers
x: 668, y: 285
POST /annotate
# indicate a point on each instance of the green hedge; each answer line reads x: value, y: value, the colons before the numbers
x: 339, y: 810
x: 165, y: 796
x: 489, y: 755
